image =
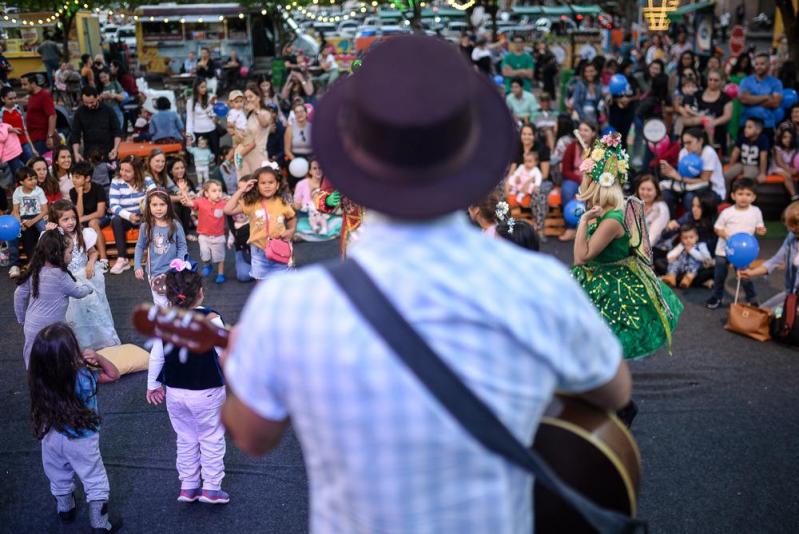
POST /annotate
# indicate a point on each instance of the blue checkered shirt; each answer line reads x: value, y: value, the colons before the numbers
x: 381, y: 454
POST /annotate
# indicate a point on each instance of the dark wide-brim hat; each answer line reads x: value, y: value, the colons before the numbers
x: 416, y: 132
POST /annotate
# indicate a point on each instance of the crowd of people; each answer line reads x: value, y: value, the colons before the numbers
x: 263, y: 189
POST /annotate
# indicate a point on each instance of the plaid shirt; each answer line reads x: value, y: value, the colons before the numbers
x: 382, y: 455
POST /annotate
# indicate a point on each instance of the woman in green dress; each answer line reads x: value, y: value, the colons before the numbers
x: 613, y: 260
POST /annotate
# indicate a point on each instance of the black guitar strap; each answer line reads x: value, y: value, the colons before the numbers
x: 462, y: 404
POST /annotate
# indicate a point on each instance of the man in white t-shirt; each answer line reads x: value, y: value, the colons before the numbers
x: 743, y: 217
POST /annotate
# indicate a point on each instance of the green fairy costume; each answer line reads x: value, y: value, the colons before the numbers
x: 638, y: 307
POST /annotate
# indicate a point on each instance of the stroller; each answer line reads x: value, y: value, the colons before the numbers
x: 72, y: 83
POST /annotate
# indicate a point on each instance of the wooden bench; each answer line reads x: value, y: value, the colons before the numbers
x: 131, y: 237
x: 772, y: 197
x: 143, y: 150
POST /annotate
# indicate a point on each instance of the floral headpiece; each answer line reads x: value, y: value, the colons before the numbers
x: 608, y: 162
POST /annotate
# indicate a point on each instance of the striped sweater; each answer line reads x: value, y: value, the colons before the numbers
x: 124, y: 200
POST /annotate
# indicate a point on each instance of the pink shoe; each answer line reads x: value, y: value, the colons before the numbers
x: 214, y: 497
x: 190, y: 494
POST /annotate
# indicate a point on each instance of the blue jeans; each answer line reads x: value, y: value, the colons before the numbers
x: 720, y: 275
x: 261, y: 266
x: 242, y: 267
x: 40, y: 146
x: 568, y: 190
x: 27, y: 152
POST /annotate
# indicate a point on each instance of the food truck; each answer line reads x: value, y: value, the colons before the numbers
x: 24, y: 38
x: 166, y: 33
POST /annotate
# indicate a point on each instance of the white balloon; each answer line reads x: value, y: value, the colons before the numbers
x: 298, y: 167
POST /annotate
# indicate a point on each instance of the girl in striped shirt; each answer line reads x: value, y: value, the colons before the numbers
x: 125, y: 204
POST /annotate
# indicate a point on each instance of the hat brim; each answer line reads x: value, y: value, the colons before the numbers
x: 462, y: 187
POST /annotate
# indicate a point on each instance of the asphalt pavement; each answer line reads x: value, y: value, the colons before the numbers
x: 717, y: 430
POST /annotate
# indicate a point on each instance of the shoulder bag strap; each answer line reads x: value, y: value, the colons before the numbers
x: 473, y: 415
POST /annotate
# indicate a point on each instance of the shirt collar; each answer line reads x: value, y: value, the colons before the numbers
x: 381, y: 230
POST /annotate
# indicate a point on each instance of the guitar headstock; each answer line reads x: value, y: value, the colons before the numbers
x: 179, y: 327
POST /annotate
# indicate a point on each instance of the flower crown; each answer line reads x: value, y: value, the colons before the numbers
x: 607, y: 163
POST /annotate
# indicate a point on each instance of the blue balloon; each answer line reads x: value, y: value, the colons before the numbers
x: 573, y: 211
x: 221, y: 110
x: 618, y: 85
x: 690, y: 165
x: 779, y: 115
x: 789, y: 98
x: 499, y: 80
x: 742, y: 249
x: 9, y: 227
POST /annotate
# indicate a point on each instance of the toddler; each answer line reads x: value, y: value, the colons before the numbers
x: 202, y: 159
x: 687, y: 258
x: 524, y: 182
x: 29, y: 206
x: 236, y: 118
x: 741, y: 217
x: 63, y: 391
x: 194, y: 392
x: 210, y: 227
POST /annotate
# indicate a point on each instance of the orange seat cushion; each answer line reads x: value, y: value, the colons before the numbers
x: 775, y: 179
x: 143, y: 149
x: 131, y: 236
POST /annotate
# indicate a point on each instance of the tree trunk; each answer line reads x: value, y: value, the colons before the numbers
x: 66, y: 28
x: 416, y: 18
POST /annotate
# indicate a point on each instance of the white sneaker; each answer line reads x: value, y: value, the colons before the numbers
x: 121, y: 265
x: 103, y: 265
x: 13, y: 272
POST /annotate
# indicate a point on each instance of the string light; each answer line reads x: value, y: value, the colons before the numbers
x: 463, y: 7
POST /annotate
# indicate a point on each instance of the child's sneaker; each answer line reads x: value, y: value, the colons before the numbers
x: 120, y: 266
x: 103, y: 264
x: 190, y: 494
x: 712, y: 303
x: 66, y: 507
x: 207, y: 270
x: 220, y: 279
x: 214, y: 497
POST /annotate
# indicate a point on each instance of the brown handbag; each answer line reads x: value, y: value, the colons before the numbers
x: 748, y: 320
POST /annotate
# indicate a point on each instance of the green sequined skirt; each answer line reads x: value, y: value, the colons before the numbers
x: 639, y: 308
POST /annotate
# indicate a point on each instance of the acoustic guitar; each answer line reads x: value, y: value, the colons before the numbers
x: 591, y: 450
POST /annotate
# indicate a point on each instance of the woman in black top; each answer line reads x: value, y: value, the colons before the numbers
x: 717, y: 106
x: 531, y: 142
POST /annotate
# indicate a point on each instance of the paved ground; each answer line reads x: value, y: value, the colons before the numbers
x: 717, y: 432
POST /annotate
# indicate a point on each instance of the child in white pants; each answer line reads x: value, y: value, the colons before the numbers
x: 70, y: 438
x: 195, y: 393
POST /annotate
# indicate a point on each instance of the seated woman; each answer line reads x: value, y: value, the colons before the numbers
x: 675, y: 187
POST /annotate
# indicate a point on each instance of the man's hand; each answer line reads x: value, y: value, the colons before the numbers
x: 49, y: 141
x: 77, y: 157
x: 113, y: 154
x: 333, y: 199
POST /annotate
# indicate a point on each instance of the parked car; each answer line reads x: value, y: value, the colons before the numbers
x: 126, y: 34
x: 108, y: 33
x: 348, y: 28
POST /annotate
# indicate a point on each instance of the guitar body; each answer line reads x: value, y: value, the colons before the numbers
x: 592, y: 452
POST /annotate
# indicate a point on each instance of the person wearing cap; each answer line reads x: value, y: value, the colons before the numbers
x: 381, y: 453
x: 95, y: 126
x: 236, y: 117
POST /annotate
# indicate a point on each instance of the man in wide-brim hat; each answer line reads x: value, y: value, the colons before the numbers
x: 416, y: 135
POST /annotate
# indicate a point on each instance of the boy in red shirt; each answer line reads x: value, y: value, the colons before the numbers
x: 210, y: 227
x: 12, y: 116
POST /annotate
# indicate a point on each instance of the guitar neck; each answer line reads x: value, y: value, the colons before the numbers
x: 180, y: 327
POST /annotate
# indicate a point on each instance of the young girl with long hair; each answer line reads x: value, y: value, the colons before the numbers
x: 783, y: 156
x: 46, y: 181
x: 42, y: 296
x: 163, y: 239
x: 62, y: 164
x: 194, y: 393
x: 63, y: 391
x: 90, y: 317
x: 180, y: 185
x: 125, y: 198
x: 264, y: 199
